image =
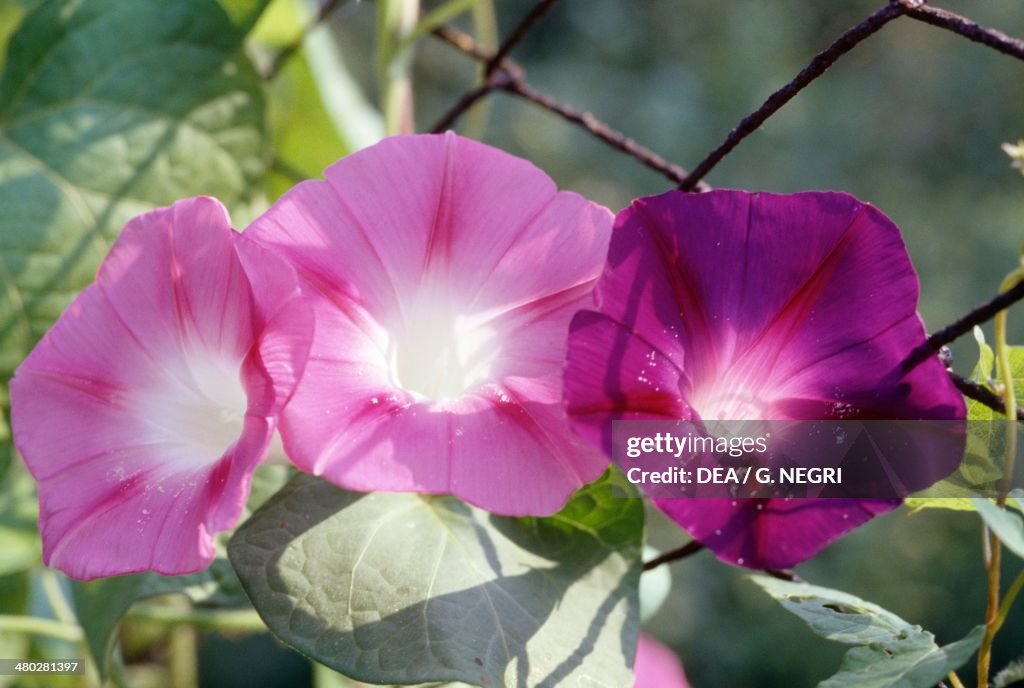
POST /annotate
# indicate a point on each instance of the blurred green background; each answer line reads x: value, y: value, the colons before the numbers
x: 911, y: 121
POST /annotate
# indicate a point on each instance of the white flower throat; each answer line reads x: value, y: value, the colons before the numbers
x: 440, y: 353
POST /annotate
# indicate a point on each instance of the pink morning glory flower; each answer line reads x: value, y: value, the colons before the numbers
x: 445, y: 273
x: 144, y: 411
x: 744, y: 306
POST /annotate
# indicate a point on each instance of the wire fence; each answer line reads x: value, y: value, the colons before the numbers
x: 501, y: 74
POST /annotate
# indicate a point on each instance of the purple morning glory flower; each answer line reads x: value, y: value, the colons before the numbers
x: 753, y: 306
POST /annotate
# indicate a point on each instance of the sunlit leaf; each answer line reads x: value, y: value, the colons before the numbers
x: 109, y: 108
x: 888, y: 651
x: 406, y: 588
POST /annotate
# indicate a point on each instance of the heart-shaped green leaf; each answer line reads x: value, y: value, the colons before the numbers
x: 889, y: 651
x: 406, y: 588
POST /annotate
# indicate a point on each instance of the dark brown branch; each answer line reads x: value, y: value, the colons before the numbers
x: 966, y: 27
x: 821, y: 62
x: 286, y: 53
x: 977, y: 316
x: 518, y: 34
x: 784, y: 574
x: 687, y: 550
x: 461, y: 106
x: 464, y: 43
x: 512, y: 79
x: 602, y: 131
x: 982, y: 394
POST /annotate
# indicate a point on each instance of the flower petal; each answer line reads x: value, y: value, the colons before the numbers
x: 145, y: 409
x: 445, y: 273
x: 764, y: 306
x: 770, y: 533
x: 636, y: 381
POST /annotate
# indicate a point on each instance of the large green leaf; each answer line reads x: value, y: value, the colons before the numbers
x: 889, y: 651
x: 109, y: 108
x: 405, y: 588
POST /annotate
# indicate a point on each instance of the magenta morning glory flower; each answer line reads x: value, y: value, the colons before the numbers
x: 445, y: 273
x: 740, y: 306
x: 144, y: 411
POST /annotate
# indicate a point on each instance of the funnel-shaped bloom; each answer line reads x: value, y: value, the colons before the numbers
x: 737, y: 306
x: 446, y: 273
x: 144, y: 411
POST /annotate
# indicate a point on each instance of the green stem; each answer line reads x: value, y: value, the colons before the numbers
x: 396, y: 21
x: 1008, y: 600
x: 955, y: 681
x: 485, y: 26
x: 992, y: 565
x: 233, y: 620
x: 181, y: 657
x: 66, y: 615
x: 1005, y: 371
x: 994, y: 546
x: 55, y: 596
x: 35, y: 626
